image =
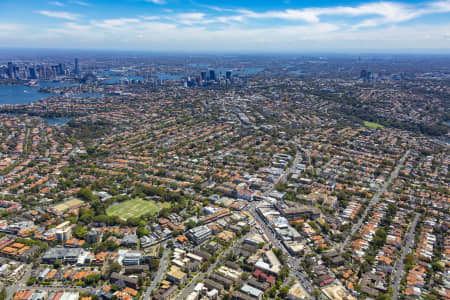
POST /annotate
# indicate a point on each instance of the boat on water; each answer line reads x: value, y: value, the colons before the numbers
x: 32, y: 83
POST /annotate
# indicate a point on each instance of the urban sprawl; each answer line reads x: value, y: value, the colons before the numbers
x: 235, y: 177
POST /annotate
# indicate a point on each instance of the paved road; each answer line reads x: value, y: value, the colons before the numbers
x: 291, y: 169
x: 160, y: 273
x: 374, y: 200
x: 294, y: 262
x: 300, y: 274
x: 19, y: 285
x: 283, y: 176
x: 325, y: 166
x: 266, y: 229
x: 400, y: 266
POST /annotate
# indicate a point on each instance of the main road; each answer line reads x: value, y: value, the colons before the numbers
x: 400, y: 266
x: 20, y: 284
x: 159, y: 274
x: 293, y: 262
x: 375, y: 200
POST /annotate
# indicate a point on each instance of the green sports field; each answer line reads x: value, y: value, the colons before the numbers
x: 372, y: 125
x: 133, y: 208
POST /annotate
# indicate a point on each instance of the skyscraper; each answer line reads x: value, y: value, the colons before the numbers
x: 32, y: 73
x: 212, y: 75
x: 11, y: 70
x: 76, y: 70
x: 41, y: 72
x: 54, y: 71
x: 363, y: 74
x: 203, y: 75
x: 228, y: 75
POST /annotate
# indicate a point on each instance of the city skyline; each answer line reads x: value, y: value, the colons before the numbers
x: 244, y: 26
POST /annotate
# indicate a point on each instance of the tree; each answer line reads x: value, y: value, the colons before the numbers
x: 154, y: 264
x: 92, y: 279
x: 141, y: 231
x: 31, y: 281
x: 430, y: 297
x: 284, y: 291
x: 86, y: 194
x: 87, y: 215
x: 191, y: 224
x: 382, y: 296
x: 205, y: 267
x: 3, y: 294
x: 316, y: 292
x: 80, y: 232
x: 437, y: 267
x: 133, y: 221
x: 284, y: 273
x: 272, y: 292
x: 114, y: 267
x: 380, y: 238
x: 244, y: 276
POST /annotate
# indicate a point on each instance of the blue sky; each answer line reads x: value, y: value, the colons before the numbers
x: 227, y: 26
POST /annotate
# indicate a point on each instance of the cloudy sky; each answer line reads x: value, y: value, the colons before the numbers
x: 227, y: 26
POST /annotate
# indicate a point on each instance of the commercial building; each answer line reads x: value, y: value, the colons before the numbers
x: 129, y: 240
x: 199, y: 234
x: 132, y: 258
x: 129, y: 281
x: 66, y: 255
x: 64, y: 234
x: 176, y: 275
x: 251, y: 291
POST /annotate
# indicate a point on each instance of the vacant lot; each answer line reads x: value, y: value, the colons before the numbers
x: 133, y: 208
x: 372, y: 125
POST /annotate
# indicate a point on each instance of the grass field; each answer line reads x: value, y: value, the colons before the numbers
x: 134, y: 208
x: 372, y: 125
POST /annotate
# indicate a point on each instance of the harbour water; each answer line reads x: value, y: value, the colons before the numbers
x: 19, y: 94
x: 116, y: 79
x: 22, y: 94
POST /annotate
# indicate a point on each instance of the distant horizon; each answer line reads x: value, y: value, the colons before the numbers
x: 344, y: 52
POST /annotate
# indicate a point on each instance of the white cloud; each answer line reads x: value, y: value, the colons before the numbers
x: 387, y: 11
x: 216, y: 8
x: 317, y: 36
x: 57, y: 3
x: 230, y: 19
x: 9, y: 27
x: 160, y: 2
x: 289, y: 14
x: 59, y: 15
x: 443, y: 6
x: 372, y: 25
x: 159, y: 36
x: 150, y: 18
x: 379, y: 13
x: 82, y: 3
x: 191, y: 18
x: 114, y: 24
